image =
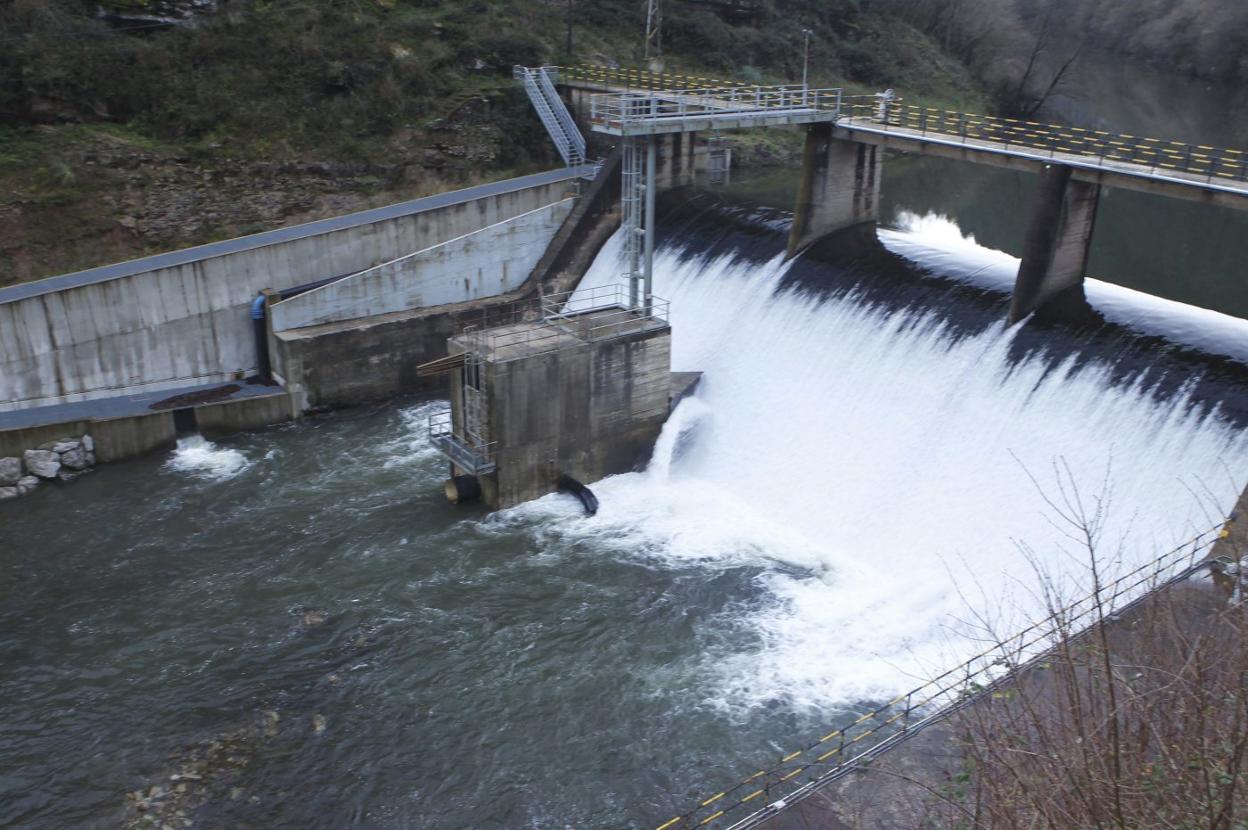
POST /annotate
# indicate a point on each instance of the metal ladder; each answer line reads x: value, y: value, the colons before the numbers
x: 632, y: 200
x: 554, y: 115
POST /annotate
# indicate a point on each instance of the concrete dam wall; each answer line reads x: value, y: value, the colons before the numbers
x: 484, y: 263
x: 179, y: 319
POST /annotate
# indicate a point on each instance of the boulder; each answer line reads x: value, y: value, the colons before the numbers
x: 75, y: 459
x: 7, y: 493
x: 27, y: 484
x: 88, y: 443
x: 69, y: 475
x: 65, y: 446
x: 10, y: 471
x: 42, y: 463
x: 90, y: 459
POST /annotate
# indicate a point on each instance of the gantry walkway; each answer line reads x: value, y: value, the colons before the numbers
x: 630, y: 102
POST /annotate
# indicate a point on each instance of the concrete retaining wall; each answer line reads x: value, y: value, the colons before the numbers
x: 115, y: 439
x: 179, y: 319
x: 485, y: 263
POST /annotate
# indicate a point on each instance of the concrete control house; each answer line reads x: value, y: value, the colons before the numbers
x: 567, y: 385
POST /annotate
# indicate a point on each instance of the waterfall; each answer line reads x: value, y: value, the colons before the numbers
x: 888, y: 472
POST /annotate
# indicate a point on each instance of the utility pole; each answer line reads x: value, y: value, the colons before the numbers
x: 654, y: 30
x: 805, y: 60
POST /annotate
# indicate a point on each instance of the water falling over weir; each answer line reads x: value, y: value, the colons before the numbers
x: 890, y: 449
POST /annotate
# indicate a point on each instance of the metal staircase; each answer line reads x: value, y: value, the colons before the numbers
x: 554, y: 115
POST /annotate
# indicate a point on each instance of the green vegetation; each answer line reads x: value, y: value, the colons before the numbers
x: 132, y: 126
x: 125, y: 135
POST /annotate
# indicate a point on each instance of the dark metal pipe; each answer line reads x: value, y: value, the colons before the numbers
x: 264, y: 369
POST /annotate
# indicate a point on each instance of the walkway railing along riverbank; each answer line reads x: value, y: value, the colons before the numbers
x: 760, y: 796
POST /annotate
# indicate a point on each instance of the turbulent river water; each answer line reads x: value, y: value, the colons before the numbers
x: 860, y: 477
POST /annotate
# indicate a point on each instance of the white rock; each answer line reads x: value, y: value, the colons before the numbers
x: 26, y: 484
x: 88, y: 443
x: 68, y: 475
x: 65, y: 446
x: 74, y: 459
x: 90, y: 459
x: 7, y: 493
x: 42, y: 463
x: 10, y: 471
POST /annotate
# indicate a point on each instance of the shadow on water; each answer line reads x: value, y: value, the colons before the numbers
x: 710, y: 223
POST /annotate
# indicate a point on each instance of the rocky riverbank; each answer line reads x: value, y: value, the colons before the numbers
x: 61, y: 461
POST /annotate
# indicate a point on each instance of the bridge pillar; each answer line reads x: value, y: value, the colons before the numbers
x: 1055, y: 250
x: 840, y: 187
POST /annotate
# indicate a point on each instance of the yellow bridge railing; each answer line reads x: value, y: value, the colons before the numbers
x: 760, y: 796
x: 630, y: 79
x: 1210, y: 163
x: 1216, y: 166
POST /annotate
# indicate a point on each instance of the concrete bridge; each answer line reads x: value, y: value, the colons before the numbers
x: 842, y: 160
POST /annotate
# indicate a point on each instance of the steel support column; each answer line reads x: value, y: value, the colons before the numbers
x: 648, y: 279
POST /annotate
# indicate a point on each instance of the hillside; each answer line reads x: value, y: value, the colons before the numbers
x: 136, y: 126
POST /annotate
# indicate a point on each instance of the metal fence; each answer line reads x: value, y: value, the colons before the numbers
x: 469, y: 452
x: 1097, y: 146
x: 634, y: 78
x: 797, y: 774
x: 546, y: 323
x: 619, y: 110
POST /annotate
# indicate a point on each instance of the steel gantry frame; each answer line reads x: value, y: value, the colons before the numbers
x: 637, y: 200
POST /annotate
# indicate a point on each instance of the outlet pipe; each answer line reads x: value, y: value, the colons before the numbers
x: 462, y: 489
x: 588, y: 500
x: 264, y: 369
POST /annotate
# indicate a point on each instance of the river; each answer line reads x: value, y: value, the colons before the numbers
x: 297, y: 624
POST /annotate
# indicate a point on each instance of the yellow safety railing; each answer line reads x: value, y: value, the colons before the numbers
x: 1100, y: 146
x: 761, y: 795
x: 1213, y: 164
x: 631, y: 79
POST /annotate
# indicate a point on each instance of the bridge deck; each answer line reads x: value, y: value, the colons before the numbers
x: 1171, y: 168
x: 655, y: 112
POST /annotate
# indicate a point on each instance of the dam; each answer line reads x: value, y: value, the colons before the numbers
x: 296, y: 617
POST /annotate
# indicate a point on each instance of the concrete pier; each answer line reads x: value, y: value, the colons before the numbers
x: 1055, y: 250
x: 839, y: 188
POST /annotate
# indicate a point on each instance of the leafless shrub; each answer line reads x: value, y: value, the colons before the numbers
x: 1132, y: 718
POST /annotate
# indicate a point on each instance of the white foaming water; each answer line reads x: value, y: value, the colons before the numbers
x: 413, y: 447
x: 200, y: 457
x: 879, y: 472
x: 936, y: 241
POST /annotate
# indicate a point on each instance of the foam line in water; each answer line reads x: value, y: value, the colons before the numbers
x: 887, y: 479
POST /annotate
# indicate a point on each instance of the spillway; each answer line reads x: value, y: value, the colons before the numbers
x: 894, y: 470
x: 856, y: 483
